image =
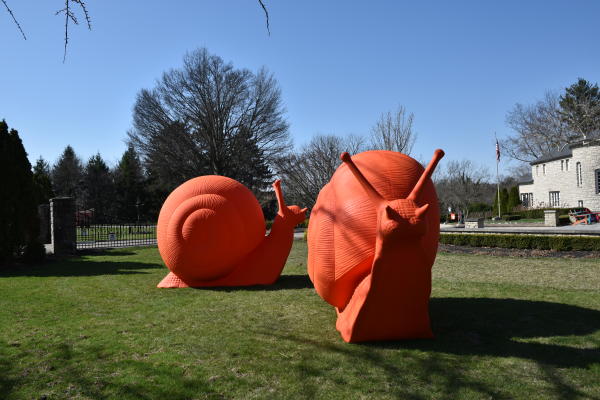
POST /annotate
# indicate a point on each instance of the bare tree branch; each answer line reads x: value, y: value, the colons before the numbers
x: 70, y: 16
x: 539, y: 129
x: 305, y: 172
x: 14, y: 19
x: 394, y: 131
x: 266, y: 15
x: 462, y: 184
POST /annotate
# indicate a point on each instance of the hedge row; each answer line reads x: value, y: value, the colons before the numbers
x: 537, y: 213
x: 541, y: 242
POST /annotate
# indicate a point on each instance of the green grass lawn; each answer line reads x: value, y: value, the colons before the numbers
x: 95, y: 327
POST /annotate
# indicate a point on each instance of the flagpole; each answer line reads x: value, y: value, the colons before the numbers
x: 497, y: 175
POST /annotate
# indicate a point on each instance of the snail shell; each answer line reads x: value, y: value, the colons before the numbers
x: 207, y: 225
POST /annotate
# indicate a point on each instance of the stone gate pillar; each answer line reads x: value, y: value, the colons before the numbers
x: 62, y: 225
x: 550, y: 217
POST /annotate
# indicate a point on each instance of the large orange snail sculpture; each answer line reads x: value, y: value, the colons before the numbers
x: 211, y: 232
x: 372, y: 240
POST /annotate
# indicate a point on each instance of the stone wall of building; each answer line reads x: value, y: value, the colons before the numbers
x: 589, y: 157
x: 554, y: 176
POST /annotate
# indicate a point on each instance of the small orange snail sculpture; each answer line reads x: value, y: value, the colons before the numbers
x: 211, y: 232
x: 372, y: 240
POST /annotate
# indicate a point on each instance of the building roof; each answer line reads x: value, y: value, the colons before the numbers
x: 592, y: 139
x: 555, y: 155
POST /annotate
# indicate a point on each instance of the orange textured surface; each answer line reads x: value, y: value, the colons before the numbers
x: 211, y: 232
x: 372, y: 240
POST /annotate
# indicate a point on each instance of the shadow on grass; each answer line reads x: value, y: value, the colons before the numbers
x: 475, y: 327
x: 478, y: 327
x: 77, y: 266
x: 105, y: 252
x: 285, y: 282
x: 501, y: 327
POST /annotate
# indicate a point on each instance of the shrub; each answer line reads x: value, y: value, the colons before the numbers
x: 511, y: 217
x: 18, y: 211
x: 540, y: 242
x: 34, y: 253
x: 538, y: 213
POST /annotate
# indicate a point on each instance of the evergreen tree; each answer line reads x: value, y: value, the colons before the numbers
x: 98, y: 187
x: 513, y: 198
x: 19, y: 225
x: 42, y: 181
x: 580, y: 107
x: 503, y: 202
x: 130, y: 199
x: 67, y: 175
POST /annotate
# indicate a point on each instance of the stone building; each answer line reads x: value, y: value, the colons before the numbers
x: 566, y: 178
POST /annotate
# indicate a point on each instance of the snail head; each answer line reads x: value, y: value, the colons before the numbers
x: 398, y: 217
x: 291, y: 214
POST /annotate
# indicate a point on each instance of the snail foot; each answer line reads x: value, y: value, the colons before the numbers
x: 172, y: 281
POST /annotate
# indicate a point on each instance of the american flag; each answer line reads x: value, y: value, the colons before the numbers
x: 497, y: 151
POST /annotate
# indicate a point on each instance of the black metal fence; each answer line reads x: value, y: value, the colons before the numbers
x: 101, y: 231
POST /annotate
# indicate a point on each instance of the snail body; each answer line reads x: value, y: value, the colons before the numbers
x: 211, y: 232
x: 372, y: 240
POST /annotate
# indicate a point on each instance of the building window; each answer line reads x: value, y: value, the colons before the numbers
x: 598, y: 181
x: 527, y: 199
x: 554, y: 199
x: 562, y: 165
x: 537, y: 170
x: 567, y: 164
x: 578, y: 174
x: 579, y: 203
x: 544, y: 169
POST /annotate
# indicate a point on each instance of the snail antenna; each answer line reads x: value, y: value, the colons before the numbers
x: 371, y: 191
x: 437, y: 156
x: 279, y: 195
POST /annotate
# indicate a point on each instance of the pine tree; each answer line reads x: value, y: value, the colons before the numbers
x: 42, y: 181
x: 580, y: 107
x: 513, y: 198
x: 130, y: 197
x: 19, y: 225
x: 98, y: 188
x: 503, y: 202
x: 67, y: 175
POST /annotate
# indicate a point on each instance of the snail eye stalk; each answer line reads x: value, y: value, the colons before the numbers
x: 279, y: 194
x: 437, y: 156
x: 371, y: 191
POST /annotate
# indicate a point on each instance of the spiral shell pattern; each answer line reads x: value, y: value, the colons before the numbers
x: 207, y: 225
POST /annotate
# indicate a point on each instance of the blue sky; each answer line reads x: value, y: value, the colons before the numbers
x: 458, y: 66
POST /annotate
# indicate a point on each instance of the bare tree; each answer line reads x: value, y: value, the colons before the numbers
x: 306, y: 172
x: 521, y: 172
x: 210, y: 118
x: 70, y: 16
x: 539, y: 129
x: 394, y: 131
x: 463, y: 184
